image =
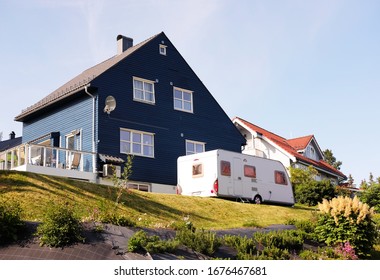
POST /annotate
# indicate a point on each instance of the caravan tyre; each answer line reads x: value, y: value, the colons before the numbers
x: 257, y: 199
x: 178, y: 190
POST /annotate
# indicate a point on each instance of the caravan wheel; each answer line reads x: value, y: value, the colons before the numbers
x: 257, y: 199
x: 178, y: 190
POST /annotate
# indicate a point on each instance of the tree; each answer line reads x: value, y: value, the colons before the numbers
x: 350, y: 180
x: 330, y: 159
x: 121, y: 183
x: 299, y: 176
x: 371, y: 192
x: 306, y: 189
x: 363, y: 185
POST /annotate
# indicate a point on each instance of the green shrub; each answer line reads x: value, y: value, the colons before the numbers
x: 371, y: 196
x: 242, y: 244
x: 305, y: 226
x: 201, y: 241
x: 286, y: 240
x: 119, y: 220
x: 272, y: 253
x: 183, y: 225
x: 162, y: 246
x: 309, y: 255
x: 10, y: 221
x: 140, y: 241
x: 275, y: 245
x: 60, y: 226
x: 314, y: 192
x: 267, y: 253
x: 347, y: 220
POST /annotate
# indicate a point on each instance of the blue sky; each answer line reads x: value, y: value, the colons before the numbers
x: 292, y: 67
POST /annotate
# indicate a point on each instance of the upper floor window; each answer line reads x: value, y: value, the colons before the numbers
x: 193, y: 147
x: 312, y: 153
x: 183, y: 100
x: 136, y: 143
x: 143, y: 90
x: 162, y: 49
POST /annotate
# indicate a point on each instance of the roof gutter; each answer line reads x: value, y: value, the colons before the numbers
x: 41, y: 105
x: 324, y: 170
x: 93, y: 128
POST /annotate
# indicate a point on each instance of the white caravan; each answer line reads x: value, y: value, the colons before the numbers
x: 234, y: 175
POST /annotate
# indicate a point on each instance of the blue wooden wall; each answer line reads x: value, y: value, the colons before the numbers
x: 208, y: 123
x: 69, y: 116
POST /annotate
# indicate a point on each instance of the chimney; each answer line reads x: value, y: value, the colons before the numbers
x: 123, y: 43
x: 12, y: 135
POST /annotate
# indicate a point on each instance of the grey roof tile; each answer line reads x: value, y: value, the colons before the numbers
x: 79, y: 82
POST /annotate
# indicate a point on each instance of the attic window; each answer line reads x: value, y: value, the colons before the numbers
x: 162, y: 49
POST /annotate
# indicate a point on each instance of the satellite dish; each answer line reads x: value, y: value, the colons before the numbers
x: 110, y: 104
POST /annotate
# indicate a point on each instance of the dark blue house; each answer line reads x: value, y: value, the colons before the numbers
x: 145, y: 101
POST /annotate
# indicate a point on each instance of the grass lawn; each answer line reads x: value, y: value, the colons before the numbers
x: 35, y: 191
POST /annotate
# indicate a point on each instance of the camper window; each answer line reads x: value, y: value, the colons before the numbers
x: 249, y: 171
x: 197, y: 170
x: 280, y: 177
x: 225, y: 168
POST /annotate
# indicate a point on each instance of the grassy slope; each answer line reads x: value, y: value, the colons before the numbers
x: 34, y: 191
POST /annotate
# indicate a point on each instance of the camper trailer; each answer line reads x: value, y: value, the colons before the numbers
x: 222, y: 173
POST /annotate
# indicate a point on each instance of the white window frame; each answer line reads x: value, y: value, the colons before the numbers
x: 182, y: 100
x: 162, y: 49
x: 131, y: 143
x: 195, y: 143
x: 144, y: 91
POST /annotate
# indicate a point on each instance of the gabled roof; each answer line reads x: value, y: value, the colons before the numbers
x: 8, y: 144
x: 292, y: 146
x: 300, y: 143
x: 80, y: 82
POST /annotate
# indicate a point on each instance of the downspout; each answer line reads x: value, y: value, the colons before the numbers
x: 93, y: 128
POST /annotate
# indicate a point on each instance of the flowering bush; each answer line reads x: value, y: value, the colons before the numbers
x: 342, y: 220
x: 346, y: 251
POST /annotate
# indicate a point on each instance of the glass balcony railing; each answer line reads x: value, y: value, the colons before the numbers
x: 45, y: 156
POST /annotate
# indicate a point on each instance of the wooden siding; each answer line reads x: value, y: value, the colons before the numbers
x: 72, y: 115
x: 171, y: 127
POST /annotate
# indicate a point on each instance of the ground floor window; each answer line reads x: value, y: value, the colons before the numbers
x: 140, y: 187
x: 194, y: 147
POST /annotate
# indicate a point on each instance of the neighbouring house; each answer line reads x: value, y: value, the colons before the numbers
x: 13, y: 141
x: 299, y: 152
x: 6, y: 145
x: 145, y: 101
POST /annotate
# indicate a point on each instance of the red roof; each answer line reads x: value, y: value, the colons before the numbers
x: 292, y: 146
x: 300, y: 143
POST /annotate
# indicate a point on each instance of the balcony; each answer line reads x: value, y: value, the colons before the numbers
x: 50, y: 161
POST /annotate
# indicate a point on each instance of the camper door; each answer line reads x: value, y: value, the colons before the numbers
x: 237, y: 173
